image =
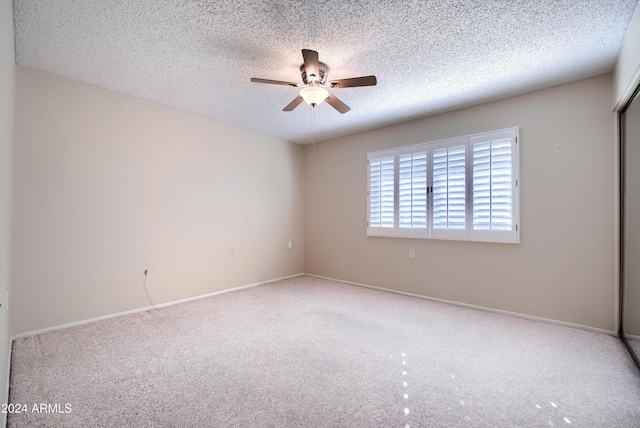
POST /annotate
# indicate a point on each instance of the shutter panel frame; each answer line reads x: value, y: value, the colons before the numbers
x: 381, y: 193
x: 450, y: 216
x: 413, y: 197
x: 495, y: 186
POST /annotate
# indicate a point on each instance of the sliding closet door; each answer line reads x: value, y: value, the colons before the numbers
x: 630, y: 185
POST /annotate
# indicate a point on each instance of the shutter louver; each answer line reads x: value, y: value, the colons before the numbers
x: 381, y: 199
x: 449, y: 188
x: 492, y: 185
x: 412, y: 190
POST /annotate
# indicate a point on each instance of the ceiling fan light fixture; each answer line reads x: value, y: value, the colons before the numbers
x: 313, y: 88
x: 314, y: 95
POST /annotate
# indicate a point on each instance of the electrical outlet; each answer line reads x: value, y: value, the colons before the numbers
x: 412, y: 254
x: 289, y: 244
x: 232, y: 251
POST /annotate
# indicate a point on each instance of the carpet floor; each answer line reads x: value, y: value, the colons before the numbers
x: 308, y: 352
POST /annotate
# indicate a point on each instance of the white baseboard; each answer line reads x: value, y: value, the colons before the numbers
x: 632, y: 337
x: 145, y: 308
x: 388, y: 290
x: 228, y: 290
x: 480, y: 308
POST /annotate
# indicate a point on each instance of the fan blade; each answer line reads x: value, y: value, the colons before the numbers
x: 273, y: 82
x: 337, y: 104
x: 353, y: 82
x: 311, y: 65
x: 293, y: 104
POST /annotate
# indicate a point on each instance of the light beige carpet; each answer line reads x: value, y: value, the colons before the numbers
x: 307, y: 352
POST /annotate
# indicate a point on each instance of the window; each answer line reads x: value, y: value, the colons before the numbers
x: 464, y: 188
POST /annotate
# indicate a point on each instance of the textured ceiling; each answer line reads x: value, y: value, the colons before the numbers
x: 429, y: 56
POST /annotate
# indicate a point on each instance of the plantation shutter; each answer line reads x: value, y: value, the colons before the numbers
x: 381, y: 192
x: 494, y: 186
x: 464, y: 188
x: 412, y: 189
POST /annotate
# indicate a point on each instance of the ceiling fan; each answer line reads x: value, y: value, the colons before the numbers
x: 314, y: 87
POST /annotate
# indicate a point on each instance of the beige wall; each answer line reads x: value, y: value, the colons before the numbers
x: 7, y: 97
x: 626, y: 75
x: 563, y: 269
x: 107, y: 185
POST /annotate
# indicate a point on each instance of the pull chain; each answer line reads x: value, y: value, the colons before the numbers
x: 313, y: 139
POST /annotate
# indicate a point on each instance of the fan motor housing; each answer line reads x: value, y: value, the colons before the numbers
x: 322, y: 69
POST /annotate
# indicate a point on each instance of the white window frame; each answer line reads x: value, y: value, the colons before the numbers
x: 470, y: 232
